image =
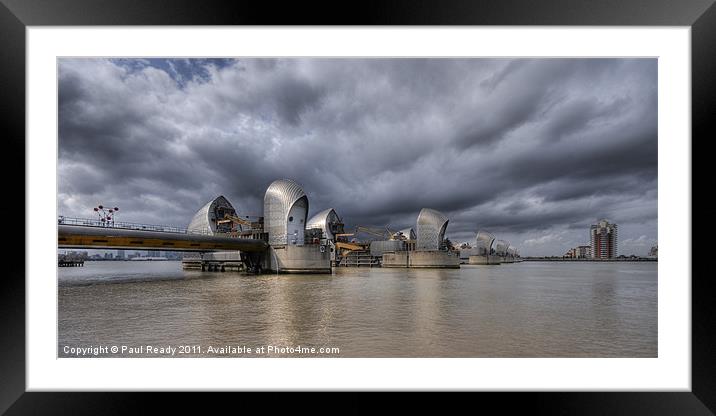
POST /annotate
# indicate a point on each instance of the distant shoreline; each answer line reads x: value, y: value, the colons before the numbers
x: 114, y: 260
x: 630, y: 259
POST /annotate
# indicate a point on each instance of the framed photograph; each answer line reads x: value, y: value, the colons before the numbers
x: 463, y: 199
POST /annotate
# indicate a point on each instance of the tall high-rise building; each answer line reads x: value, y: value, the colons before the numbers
x: 603, y: 237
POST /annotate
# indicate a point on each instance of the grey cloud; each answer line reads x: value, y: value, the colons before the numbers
x: 534, y: 149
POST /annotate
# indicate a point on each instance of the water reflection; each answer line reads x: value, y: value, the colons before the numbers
x: 517, y: 310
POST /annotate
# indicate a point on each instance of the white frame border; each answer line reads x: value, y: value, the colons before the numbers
x: 670, y: 371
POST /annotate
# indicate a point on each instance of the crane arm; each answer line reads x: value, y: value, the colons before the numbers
x: 370, y: 231
x: 232, y: 218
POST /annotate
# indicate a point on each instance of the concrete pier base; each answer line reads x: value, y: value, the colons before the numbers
x: 299, y: 259
x: 483, y: 260
x: 395, y: 259
x: 422, y: 259
x: 434, y: 259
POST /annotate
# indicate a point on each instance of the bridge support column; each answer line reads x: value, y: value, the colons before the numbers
x: 254, y: 262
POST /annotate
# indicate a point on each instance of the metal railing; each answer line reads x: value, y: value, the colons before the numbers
x: 85, y: 222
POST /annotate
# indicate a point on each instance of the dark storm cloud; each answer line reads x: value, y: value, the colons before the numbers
x: 530, y: 149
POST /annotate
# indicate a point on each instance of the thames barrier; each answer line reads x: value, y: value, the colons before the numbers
x: 285, y: 240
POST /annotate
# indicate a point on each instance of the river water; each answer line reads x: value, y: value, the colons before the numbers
x: 528, y: 309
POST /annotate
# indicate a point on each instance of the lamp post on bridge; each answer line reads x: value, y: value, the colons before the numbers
x: 106, y: 216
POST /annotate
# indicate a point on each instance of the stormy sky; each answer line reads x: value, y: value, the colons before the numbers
x: 532, y: 150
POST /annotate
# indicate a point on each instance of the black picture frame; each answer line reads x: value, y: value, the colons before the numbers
x: 16, y: 15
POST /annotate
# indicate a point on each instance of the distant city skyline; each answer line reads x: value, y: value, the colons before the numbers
x: 114, y: 253
x: 532, y: 150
